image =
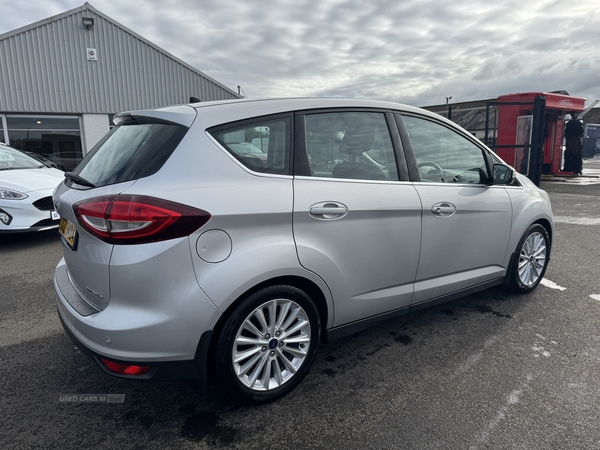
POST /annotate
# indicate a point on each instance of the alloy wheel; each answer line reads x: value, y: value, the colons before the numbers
x: 532, y: 259
x: 271, y: 344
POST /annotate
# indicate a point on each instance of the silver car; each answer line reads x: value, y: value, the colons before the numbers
x: 183, y: 250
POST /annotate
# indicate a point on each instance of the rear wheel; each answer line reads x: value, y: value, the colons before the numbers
x: 269, y: 343
x: 531, y: 260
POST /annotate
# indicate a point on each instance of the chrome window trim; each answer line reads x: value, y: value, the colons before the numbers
x: 239, y: 163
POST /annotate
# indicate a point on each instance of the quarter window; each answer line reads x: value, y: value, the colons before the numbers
x: 442, y: 155
x: 261, y: 146
x: 354, y: 145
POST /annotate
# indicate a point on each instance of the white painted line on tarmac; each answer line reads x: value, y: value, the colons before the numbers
x: 473, y: 359
x: 577, y: 220
x: 512, y: 399
x: 595, y: 297
x: 552, y: 285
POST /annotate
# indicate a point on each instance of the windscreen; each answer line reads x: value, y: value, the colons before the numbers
x: 11, y: 158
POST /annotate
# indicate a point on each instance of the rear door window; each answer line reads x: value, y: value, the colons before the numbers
x: 352, y: 145
x: 129, y: 152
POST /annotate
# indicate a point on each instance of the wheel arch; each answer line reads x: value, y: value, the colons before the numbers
x: 308, y: 286
x: 546, y: 224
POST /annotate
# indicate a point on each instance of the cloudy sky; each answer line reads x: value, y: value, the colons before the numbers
x: 411, y: 51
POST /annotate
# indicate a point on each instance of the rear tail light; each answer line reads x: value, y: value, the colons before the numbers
x: 137, y: 219
x: 125, y: 369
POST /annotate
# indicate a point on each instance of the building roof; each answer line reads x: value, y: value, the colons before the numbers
x: 46, y: 68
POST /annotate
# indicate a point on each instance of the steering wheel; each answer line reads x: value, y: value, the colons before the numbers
x: 438, y: 172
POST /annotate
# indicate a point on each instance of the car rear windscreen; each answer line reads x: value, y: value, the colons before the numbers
x: 129, y: 152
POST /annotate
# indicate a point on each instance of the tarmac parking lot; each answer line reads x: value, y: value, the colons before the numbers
x: 489, y: 371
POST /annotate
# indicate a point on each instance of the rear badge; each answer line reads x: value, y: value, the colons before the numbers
x: 94, y: 293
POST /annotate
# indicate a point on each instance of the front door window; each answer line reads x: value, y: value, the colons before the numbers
x: 444, y: 156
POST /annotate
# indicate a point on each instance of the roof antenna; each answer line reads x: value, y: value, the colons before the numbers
x: 195, y: 100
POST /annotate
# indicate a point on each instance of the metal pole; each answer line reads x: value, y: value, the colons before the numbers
x: 487, y: 121
x: 536, y: 157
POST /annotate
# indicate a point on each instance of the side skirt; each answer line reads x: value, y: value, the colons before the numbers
x: 360, y: 325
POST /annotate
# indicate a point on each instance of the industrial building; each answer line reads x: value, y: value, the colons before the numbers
x: 63, y: 78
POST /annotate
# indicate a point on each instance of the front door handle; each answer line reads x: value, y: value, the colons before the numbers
x: 328, y: 210
x: 443, y: 209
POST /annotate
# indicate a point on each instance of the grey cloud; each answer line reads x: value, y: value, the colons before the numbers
x: 415, y: 51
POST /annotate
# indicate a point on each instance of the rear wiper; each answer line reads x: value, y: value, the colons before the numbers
x: 77, y: 179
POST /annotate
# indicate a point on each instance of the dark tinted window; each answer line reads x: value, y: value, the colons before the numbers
x: 261, y: 145
x: 129, y: 152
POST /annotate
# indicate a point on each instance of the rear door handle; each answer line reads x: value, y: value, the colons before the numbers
x: 328, y: 210
x: 443, y: 209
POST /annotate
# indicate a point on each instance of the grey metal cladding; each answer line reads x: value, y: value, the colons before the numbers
x: 44, y: 68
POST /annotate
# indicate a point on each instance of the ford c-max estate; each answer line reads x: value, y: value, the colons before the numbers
x: 182, y: 248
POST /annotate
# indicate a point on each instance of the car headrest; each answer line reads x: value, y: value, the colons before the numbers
x: 359, y: 138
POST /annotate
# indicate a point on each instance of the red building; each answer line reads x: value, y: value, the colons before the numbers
x: 516, y: 127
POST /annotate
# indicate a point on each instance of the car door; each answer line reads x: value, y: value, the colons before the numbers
x: 466, y: 222
x: 356, y: 224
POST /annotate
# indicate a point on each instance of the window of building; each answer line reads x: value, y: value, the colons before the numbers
x: 57, y: 138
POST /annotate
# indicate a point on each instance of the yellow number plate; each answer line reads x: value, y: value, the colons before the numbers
x: 68, y: 232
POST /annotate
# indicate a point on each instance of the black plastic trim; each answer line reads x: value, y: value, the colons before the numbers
x: 69, y: 293
x: 411, y: 162
x: 166, y: 370
x: 398, y: 147
x: 44, y: 204
x: 360, y: 325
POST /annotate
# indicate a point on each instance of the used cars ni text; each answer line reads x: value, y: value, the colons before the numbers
x: 183, y: 249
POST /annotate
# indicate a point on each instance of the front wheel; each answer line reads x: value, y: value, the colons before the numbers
x: 268, y: 343
x: 531, y: 260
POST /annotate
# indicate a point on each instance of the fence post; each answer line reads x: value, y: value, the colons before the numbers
x: 536, y: 158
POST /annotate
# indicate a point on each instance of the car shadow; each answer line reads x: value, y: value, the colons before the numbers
x: 16, y: 241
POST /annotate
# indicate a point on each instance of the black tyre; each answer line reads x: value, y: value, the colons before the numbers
x: 531, y: 260
x: 268, y: 344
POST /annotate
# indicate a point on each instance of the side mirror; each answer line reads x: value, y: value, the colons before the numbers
x: 502, y: 174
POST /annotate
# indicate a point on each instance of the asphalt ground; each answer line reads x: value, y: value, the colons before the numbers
x: 490, y: 371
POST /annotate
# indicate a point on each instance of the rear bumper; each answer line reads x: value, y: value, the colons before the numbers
x: 171, y: 335
x: 195, y: 369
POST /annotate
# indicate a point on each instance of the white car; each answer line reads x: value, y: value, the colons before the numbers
x: 26, y: 187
